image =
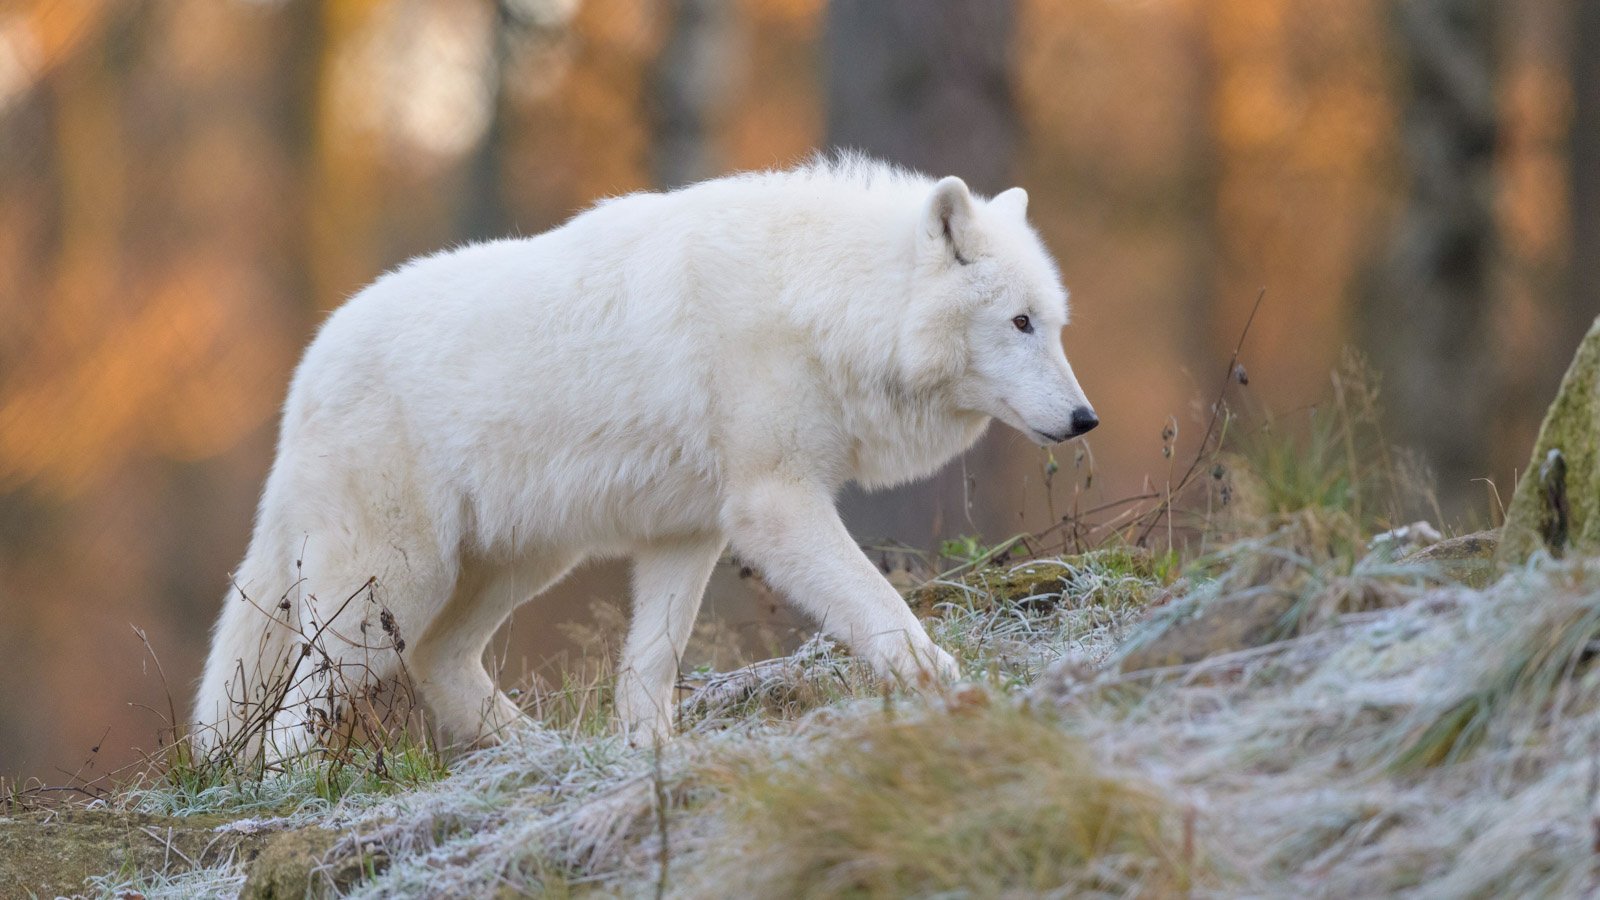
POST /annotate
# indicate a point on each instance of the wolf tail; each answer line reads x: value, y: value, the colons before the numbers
x: 255, y: 649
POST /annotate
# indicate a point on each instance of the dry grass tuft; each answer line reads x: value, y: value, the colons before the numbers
x: 1529, y: 663
x: 982, y: 800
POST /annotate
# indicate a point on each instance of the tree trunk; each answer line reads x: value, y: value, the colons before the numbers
x: 928, y: 85
x: 924, y: 84
x: 1584, y: 304
x: 691, y: 81
x: 1428, y: 325
x: 482, y: 215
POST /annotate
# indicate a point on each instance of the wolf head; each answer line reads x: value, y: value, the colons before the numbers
x: 988, y: 309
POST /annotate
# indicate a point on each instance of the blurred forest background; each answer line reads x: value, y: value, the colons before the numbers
x: 188, y: 186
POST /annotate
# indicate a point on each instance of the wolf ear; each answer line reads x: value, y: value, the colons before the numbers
x: 1013, y: 202
x: 949, y: 218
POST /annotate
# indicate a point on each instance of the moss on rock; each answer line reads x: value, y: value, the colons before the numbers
x: 1468, y: 558
x: 1548, y: 510
x: 298, y: 864
x: 54, y: 851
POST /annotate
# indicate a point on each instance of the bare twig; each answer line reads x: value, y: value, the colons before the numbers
x: 664, y: 852
x: 170, y: 847
x: 1156, y: 514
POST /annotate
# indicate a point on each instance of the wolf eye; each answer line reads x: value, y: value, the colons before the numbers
x: 1023, y: 324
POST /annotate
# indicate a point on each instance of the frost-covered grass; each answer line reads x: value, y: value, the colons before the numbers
x: 1336, y: 763
x: 223, y: 880
x: 1402, y: 733
x: 306, y: 786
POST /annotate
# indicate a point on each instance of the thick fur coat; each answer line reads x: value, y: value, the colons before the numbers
x: 660, y: 376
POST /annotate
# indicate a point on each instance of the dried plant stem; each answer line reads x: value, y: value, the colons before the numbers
x: 1155, y: 515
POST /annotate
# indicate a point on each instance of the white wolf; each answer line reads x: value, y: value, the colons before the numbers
x: 660, y: 376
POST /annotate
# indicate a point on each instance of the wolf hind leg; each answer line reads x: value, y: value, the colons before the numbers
x: 447, y: 663
x: 345, y: 652
x: 350, y: 598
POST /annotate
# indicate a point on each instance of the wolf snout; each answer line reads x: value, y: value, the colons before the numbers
x: 1083, y: 421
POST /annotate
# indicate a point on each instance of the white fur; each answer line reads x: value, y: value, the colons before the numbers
x: 662, y: 374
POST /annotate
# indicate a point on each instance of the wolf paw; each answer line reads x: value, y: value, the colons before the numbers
x: 921, y: 666
x: 939, y: 666
x: 645, y: 709
x: 648, y: 732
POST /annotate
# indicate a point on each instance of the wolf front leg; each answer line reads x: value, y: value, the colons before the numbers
x: 792, y: 533
x: 668, y: 581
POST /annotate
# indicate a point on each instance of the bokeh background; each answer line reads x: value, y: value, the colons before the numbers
x: 188, y: 186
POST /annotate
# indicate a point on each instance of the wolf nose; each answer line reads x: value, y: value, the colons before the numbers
x: 1083, y: 420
